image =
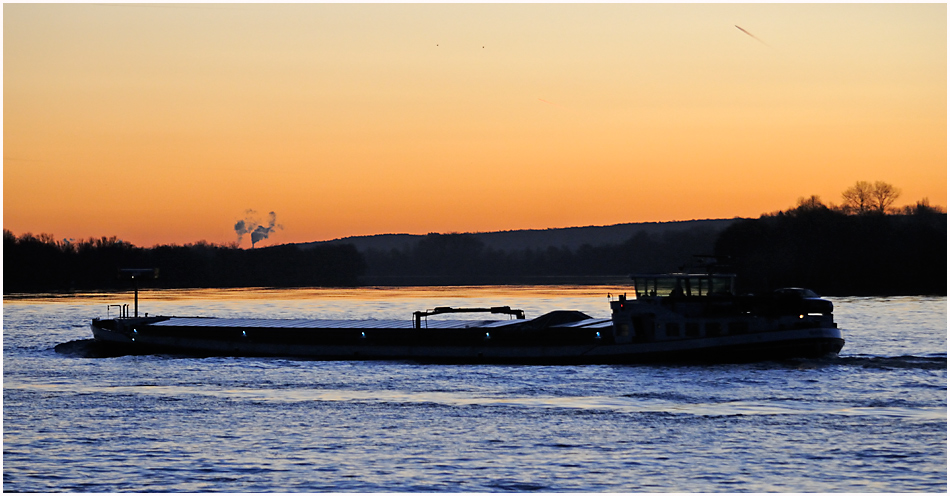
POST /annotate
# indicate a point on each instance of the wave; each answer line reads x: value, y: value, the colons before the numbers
x: 928, y: 362
x: 89, y: 348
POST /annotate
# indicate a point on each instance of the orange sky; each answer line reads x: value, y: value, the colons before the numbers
x: 166, y: 123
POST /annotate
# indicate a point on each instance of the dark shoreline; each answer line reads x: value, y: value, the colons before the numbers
x: 811, y: 246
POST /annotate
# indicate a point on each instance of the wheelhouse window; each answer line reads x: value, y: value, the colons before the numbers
x: 683, y: 285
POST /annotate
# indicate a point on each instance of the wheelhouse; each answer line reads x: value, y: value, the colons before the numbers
x: 683, y: 285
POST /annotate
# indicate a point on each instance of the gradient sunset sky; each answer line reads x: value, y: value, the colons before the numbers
x: 165, y: 123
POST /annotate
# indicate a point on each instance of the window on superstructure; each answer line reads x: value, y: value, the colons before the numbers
x: 692, y: 329
x: 738, y: 327
x: 672, y: 329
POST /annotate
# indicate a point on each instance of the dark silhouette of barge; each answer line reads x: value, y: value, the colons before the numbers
x: 671, y: 318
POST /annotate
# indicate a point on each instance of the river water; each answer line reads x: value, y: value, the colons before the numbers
x: 872, y: 420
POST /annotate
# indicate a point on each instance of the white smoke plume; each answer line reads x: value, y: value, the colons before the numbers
x: 251, y: 224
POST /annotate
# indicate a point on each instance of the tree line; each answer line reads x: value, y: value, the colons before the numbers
x: 864, y: 246
x: 42, y: 263
x: 858, y: 248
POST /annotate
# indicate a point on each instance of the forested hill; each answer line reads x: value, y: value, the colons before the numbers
x: 43, y: 263
x: 572, y: 255
x: 828, y: 250
x: 534, y: 239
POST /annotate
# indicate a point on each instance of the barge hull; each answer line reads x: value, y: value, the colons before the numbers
x: 458, y: 342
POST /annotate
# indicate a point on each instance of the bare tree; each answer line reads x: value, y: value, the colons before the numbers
x: 858, y: 198
x: 811, y: 203
x: 922, y: 207
x: 883, y: 196
x: 864, y: 197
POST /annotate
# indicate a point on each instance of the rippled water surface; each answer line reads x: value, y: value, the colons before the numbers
x: 874, y: 419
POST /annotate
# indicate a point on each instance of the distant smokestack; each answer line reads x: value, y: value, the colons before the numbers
x: 261, y: 232
x: 251, y: 225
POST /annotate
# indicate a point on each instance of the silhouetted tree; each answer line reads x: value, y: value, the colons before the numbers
x: 864, y: 197
x: 810, y: 204
x: 883, y: 196
x: 858, y: 198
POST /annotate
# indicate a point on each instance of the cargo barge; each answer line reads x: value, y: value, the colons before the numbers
x: 679, y: 317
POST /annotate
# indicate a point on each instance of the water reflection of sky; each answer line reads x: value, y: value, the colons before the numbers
x: 597, y: 403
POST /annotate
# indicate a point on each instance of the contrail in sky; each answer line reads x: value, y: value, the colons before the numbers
x: 752, y: 35
x: 549, y: 103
